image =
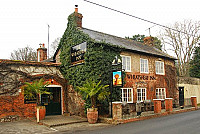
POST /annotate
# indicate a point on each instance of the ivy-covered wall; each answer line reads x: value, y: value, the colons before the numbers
x: 98, y: 58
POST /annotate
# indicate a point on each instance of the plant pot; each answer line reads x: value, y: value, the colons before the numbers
x: 92, y: 115
x: 42, y: 112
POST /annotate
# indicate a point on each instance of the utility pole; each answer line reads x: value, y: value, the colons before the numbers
x: 48, y: 40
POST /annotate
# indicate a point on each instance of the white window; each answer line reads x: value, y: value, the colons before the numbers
x: 141, y: 94
x: 126, y: 63
x: 127, y: 95
x: 144, y: 66
x: 160, y: 93
x: 159, y: 67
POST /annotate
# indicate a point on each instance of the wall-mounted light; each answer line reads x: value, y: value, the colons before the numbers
x: 52, y: 81
x: 116, y: 61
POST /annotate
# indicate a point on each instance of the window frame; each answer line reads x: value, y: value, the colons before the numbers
x: 122, y: 96
x: 141, y: 89
x: 159, y: 67
x: 147, y: 62
x: 126, y: 70
x: 159, y: 94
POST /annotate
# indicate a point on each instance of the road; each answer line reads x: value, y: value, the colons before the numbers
x: 183, y: 123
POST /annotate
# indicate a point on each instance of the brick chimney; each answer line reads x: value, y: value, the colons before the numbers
x: 78, y: 17
x: 41, y: 53
x: 149, y: 40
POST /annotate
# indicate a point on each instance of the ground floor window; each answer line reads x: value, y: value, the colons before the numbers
x: 141, y: 94
x: 160, y: 93
x: 28, y: 100
x: 127, y: 95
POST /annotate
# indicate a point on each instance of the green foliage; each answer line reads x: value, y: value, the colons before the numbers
x: 157, y: 43
x: 33, y: 90
x: 195, y: 63
x: 140, y: 38
x: 97, y: 59
x: 94, y: 91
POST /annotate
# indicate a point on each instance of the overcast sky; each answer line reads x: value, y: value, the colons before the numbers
x: 24, y: 22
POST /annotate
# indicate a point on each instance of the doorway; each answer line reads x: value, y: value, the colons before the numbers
x: 52, y: 101
x: 181, y: 96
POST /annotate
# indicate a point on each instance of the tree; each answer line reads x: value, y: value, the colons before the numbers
x: 157, y: 43
x: 24, y: 54
x: 54, y: 46
x: 181, y: 39
x: 140, y: 38
x: 35, y: 89
x: 94, y: 91
x: 195, y: 63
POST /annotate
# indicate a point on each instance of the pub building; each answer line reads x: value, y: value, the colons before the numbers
x: 150, y: 73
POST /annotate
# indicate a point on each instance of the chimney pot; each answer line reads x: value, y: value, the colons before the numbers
x: 76, y: 8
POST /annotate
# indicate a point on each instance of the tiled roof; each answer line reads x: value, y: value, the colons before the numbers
x: 33, y: 63
x: 48, y: 60
x: 125, y: 43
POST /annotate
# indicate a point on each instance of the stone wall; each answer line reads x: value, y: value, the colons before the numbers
x: 58, y: 57
x: 75, y: 103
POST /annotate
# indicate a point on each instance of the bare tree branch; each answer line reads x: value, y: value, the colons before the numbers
x: 24, y: 54
x: 182, y: 43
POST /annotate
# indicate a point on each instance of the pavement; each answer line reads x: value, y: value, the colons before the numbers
x: 27, y: 126
x: 59, y: 120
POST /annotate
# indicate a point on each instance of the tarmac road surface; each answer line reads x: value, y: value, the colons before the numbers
x: 183, y: 123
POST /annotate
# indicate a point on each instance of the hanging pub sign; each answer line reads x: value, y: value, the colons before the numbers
x: 117, y: 78
x: 77, y: 53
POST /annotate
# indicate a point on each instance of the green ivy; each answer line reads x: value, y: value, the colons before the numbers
x: 98, y: 58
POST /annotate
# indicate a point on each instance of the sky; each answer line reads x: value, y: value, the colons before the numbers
x: 25, y: 22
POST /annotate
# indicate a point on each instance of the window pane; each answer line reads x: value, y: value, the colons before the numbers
x: 162, y: 67
x: 128, y: 63
x: 139, y: 94
x: 156, y: 67
x: 123, y: 63
x: 129, y: 95
x: 125, y: 95
x: 142, y: 65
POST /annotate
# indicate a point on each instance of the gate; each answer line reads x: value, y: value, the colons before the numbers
x: 52, y: 101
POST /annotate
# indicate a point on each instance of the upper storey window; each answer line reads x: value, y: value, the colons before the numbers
x: 126, y: 63
x: 144, y: 66
x: 159, y: 67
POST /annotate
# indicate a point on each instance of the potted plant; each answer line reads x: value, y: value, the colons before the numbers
x: 94, y: 91
x: 33, y: 91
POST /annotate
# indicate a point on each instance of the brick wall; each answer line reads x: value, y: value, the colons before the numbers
x: 14, y: 105
x: 150, y: 80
